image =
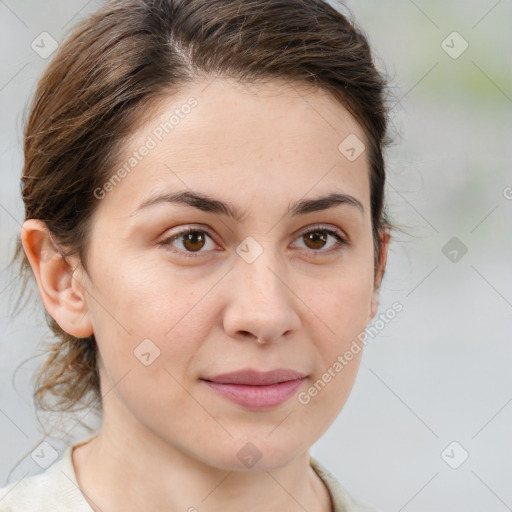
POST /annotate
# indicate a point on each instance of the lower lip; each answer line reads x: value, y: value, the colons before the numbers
x: 257, y: 397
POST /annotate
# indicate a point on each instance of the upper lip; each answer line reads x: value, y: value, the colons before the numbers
x: 255, y: 378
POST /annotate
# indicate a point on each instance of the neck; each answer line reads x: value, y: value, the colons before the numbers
x: 139, y: 471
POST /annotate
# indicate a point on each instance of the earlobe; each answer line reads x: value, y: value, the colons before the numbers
x: 61, y: 291
x: 385, y: 237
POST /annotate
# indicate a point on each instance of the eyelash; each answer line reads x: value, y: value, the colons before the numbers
x: 342, y: 242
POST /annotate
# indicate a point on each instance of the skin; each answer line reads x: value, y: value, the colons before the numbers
x: 167, y: 441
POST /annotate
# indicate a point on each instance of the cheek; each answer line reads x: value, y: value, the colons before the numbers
x: 328, y: 391
x: 343, y: 308
x: 148, y: 326
x: 343, y: 304
x: 142, y: 299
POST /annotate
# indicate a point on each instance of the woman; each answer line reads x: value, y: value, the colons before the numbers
x: 204, y: 189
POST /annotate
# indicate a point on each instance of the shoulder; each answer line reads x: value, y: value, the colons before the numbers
x: 53, y: 490
x: 341, y: 499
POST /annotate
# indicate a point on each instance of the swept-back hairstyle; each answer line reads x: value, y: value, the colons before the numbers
x: 109, y: 75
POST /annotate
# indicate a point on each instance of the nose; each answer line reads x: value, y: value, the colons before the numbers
x: 261, y: 304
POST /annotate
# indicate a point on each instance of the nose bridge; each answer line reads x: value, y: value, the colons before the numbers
x: 260, y: 279
x: 260, y: 302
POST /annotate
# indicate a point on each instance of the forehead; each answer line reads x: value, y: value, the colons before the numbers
x: 255, y: 142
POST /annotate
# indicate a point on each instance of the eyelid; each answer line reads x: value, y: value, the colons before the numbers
x: 325, y: 227
x: 192, y: 228
x: 342, y: 239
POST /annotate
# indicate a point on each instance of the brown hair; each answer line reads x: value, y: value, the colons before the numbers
x: 107, y: 78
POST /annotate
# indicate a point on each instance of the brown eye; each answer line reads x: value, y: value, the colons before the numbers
x: 315, y: 239
x: 188, y: 242
x: 194, y: 241
x: 318, y: 238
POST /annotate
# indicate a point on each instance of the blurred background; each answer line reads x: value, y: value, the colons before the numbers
x: 428, y: 425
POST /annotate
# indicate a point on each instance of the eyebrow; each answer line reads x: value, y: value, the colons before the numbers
x: 209, y: 204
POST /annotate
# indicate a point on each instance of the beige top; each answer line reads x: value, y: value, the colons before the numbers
x: 56, y: 489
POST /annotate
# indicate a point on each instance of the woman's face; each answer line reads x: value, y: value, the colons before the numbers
x: 170, y: 311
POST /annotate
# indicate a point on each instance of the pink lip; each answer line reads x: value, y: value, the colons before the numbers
x: 257, y: 390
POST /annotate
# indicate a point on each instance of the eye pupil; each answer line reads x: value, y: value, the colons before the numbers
x: 193, y: 238
x: 314, y: 237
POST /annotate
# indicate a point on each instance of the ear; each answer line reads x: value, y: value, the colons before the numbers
x: 385, y: 237
x: 58, y: 279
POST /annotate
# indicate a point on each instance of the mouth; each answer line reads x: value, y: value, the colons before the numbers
x: 257, y: 390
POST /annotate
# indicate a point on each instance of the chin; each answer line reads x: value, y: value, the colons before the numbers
x: 255, y: 454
